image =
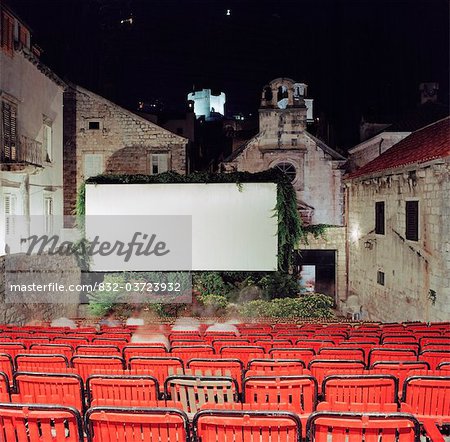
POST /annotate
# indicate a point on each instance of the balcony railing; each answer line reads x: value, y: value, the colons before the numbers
x: 28, y: 152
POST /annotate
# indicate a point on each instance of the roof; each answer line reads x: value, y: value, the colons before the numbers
x: 419, y: 117
x: 429, y: 143
x: 328, y: 150
x: 126, y: 111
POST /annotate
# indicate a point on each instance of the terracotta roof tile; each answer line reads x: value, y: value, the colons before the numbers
x: 429, y: 143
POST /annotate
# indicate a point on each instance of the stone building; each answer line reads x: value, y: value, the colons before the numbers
x: 398, y: 230
x: 102, y: 137
x: 377, y: 138
x: 31, y: 157
x: 313, y: 167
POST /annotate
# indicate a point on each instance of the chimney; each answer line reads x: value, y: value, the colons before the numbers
x: 428, y: 92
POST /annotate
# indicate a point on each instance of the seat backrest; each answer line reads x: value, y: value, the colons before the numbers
x: 39, y: 423
x: 327, y: 367
x: 41, y: 363
x: 158, y: 367
x: 304, y: 354
x: 391, y: 354
x: 194, y: 351
x: 89, y: 365
x: 299, y: 392
x: 124, y: 425
x: 52, y: 349
x: 244, y: 353
x: 219, y: 343
x: 12, y: 349
x: 434, y: 357
x: 131, y: 351
x: 216, y: 367
x: 342, y: 353
x: 121, y: 391
x: 272, y: 366
x: 428, y: 396
x: 235, y: 425
x: 444, y: 367
x: 5, y: 393
x: 194, y: 391
x: 73, y: 342
x: 55, y: 388
x: 268, y: 344
x: 360, y: 389
x: 98, y: 350
x: 332, y: 427
x: 6, y: 366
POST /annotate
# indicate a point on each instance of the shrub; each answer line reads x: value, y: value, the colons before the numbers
x: 312, y: 305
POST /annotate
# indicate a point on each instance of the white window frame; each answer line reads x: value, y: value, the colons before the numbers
x: 158, y: 156
x: 47, y: 140
x: 48, y: 213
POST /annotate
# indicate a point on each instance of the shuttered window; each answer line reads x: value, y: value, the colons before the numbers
x: 48, y: 214
x: 93, y: 164
x: 9, y: 212
x: 7, y: 33
x: 47, y: 138
x: 379, y: 218
x: 412, y: 220
x: 9, y: 132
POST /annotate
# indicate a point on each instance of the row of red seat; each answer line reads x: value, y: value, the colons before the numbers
x: 41, y: 423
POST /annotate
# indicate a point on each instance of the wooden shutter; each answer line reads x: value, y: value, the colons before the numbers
x: 10, y: 211
x: 412, y: 220
x: 379, y: 217
x: 7, y: 34
x: 9, y: 126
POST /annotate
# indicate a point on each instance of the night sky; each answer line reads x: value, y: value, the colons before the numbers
x: 357, y: 56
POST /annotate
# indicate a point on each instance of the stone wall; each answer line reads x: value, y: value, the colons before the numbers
x: 124, y: 139
x: 24, y: 307
x: 411, y: 268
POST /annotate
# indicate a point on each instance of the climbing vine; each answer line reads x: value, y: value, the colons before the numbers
x: 289, y: 223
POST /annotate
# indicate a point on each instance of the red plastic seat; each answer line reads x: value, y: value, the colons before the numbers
x: 216, y: 367
x: 12, y: 348
x: 108, y: 424
x: 391, y: 354
x: 347, y: 353
x: 41, y: 363
x: 434, y: 357
x: 5, y: 393
x: 304, y: 354
x: 121, y: 391
x: 6, y: 366
x: 238, y: 342
x: 367, y: 392
x: 268, y: 344
x: 159, y: 367
x: 297, y: 392
x: 194, y: 351
x: 244, y: 353
x: 273, y: 366
x: 428, y: 398
x: 89, y: 365
x: 333, y: 427
x: 320, y: 368
x: 39, y: 423
x: 55, y: 388
x: 52, y: 349
x: 98, y: 350
x: 143, y: 350
x: 257, y: 426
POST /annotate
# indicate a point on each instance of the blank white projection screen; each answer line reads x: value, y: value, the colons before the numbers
x: 231, y: 229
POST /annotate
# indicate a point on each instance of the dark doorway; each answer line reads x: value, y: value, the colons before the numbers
x: 318, y: 271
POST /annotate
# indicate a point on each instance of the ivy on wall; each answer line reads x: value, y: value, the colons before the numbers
x: 289, y: 223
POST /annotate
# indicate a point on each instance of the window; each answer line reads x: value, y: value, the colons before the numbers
x: 7, y: 33
x: 380, y: 278
x: 294, y: 141
x: 48, y: 141
x: 379, y: 217
x: 159, y: 163
x: 9, y: 132
x: 9, y: 212
x: 412, y: 220
x: 93, y: 164
x: 94, y: 125
x: 48, y: 214
x: 289, y: 169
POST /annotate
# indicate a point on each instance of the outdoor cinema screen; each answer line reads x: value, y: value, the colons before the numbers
x: 214, y: 226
